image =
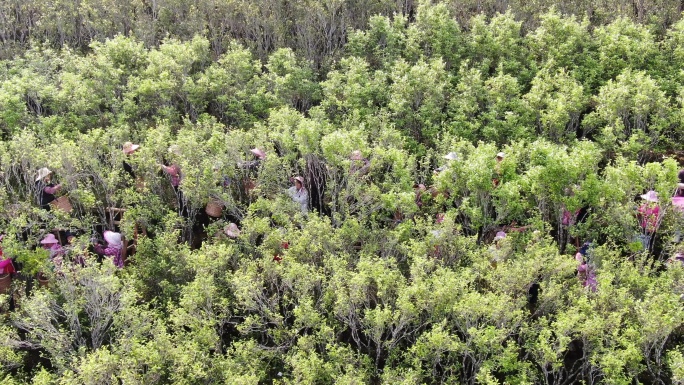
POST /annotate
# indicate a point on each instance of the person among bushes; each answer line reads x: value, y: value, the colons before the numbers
x: 174, y: 173
x: 129, y: 149
x: 113, y: 249
x: 6, y: 265
x: 500, y: 248
x: 360, y: 166
x: 586, y: 273
x: 680, y: 185
x: 51, y: 244
x: 299, y: 194
x: 45, y: 188
x: 497, y: 169
x: 649, y: 217
x: 254, y: 164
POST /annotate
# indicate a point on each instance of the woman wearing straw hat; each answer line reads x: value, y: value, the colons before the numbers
x: 299, y: 194
x: 128, y: 149
x: 45, y: 188
x: 51, y: 244
x: 174, y: 172
x: 251, y: 168
x: 259, y: 157
x: 649, y: 217
x: 500, y: 249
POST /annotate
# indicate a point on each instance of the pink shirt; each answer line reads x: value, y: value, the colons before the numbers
x: 51, y: 190
x: 569, y: 218
x: 650, y: 214
x: 174, y: 172
x: 111, y: 251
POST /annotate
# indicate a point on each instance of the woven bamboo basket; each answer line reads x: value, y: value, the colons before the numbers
x: 43, y: 281
x: 214, y: 208
x: 62, y: 203
x: 5, y: 283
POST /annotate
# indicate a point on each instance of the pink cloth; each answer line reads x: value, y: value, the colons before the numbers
x: 6, y: 266
x: 678, y: 203
x: 569, y: 218
x: 111, y: 252
x: 52, y: 190
x: 650, y: 214
x: 55, y: 250
x: 174, y: 172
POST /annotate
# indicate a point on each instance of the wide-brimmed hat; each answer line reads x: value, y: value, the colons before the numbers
x: 356, y: 155
x: 451, y: 156
x: 42, y: 173
x: 49, y: 240
x: 501, y: 155
x: 300, y: 179
x: 259, y: 153
x: 499, y: 235
x: 231, y: 230
x: 113, y: 238
x: 129, y: 147
x: 650, y: 196
x: 420, y: 186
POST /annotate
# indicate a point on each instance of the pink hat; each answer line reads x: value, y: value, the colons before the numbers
x: 650, y: 196
x: 258, y: 152
x: 300, y: 179
x: 113, y: 238
x: 129, y: 147
x: 49, y: 240
x: 499, y: 235
x: 420, y: 187
x: 232, y: 230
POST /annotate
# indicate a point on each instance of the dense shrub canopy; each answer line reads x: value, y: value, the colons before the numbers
x: 394, y: 275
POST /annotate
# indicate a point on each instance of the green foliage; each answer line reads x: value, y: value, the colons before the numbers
x: 384, y: 281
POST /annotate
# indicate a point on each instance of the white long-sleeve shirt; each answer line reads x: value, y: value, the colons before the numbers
x: 300, y: 196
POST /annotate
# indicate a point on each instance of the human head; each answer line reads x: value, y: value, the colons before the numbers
x: 129, y: 148
x: 356, y: 155
x: 113, y: 239
x: 49, y: 240
x: 299, y: 182
x: 232, y: 230
x: 451, y: 156
x: 650, y: 196
x: 500, y: 156
x: 44, y: 174
x: 259, y: 153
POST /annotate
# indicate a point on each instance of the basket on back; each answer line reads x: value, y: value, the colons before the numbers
x: 214, y: 208
x: 62, y: 203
